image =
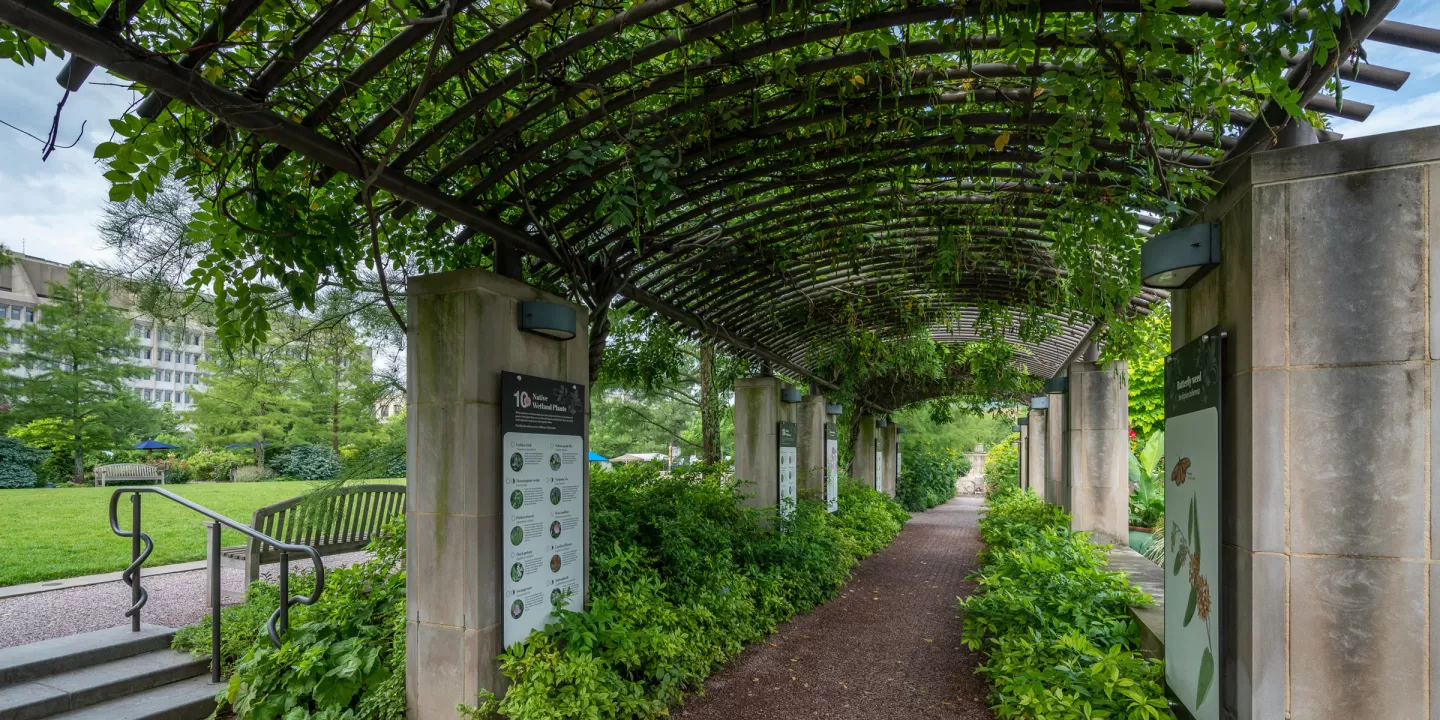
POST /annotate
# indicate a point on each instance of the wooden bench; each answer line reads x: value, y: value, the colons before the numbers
x: 132, y: 472
x: 347, y: 520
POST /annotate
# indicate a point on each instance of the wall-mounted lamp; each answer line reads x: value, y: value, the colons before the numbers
x: 882, y: 422
x: 834, y: 409
x: 552, y: 320
x: 1057, y: 385
x: 1024, y: 422
x: 1014, y: 428
x: 1179, y: 258
x: 899, y: 430
x: 789, y: 395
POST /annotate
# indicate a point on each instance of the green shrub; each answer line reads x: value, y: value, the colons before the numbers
x: 254, y: 473
x: 344, y: 657
x: 1002, y: 466
x: 309, y: 462
x: 18, y: 462
x: 177, y: 472
x: 1053, y: 622
x: 682, y: 578
x: 214, y: 465
x: 928, y: 475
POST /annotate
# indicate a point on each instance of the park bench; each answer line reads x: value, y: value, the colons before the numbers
x: 128, y: 472
x: 345, y: 522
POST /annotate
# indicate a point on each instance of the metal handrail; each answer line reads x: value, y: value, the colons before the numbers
x: 139, y: 596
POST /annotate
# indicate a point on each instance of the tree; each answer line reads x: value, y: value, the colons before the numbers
x: 79, y: 356
x: 249, y: 398
x: 1147, y: 372
x: 332, y: 371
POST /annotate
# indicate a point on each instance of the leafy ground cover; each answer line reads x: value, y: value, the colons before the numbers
x: 1053, y: 622
x: 928, y: 475
x: 55, y: 533
x: 682, y: 578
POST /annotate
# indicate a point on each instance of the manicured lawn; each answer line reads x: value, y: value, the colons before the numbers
x: 65, y: 532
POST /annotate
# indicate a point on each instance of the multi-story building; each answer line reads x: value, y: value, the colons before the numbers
x: 172, y: 354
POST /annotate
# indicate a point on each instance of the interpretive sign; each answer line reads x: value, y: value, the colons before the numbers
x: 543, y: 499
x: 787, y: 434
x: 897, y: 461
x: 1192, y: 534
x: 832, y: 467
x: 879, y: 467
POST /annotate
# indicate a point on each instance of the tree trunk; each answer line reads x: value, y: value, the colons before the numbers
x: 709, y: 405
x: 79, y: 459
x: 260, y: 450
x: 335, y: 427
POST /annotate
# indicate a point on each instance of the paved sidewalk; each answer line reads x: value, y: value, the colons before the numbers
x: 176, y: 599
x: 887, y: 647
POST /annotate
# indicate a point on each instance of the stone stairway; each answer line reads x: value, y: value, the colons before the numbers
x: 112, y: 674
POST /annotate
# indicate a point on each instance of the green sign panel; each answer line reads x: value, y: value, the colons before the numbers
x: 1192, y: 517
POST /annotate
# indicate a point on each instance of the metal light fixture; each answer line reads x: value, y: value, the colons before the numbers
x: 1024, y: 422
x: 882, y: 422
x: 552, y: 320
x: 1040, y: 402
x: 1014, y: 428
x: 899, y: 430
x: 789, y: 395
x: 1179, y: 258
x: 834, y: 409
x: 1057, y: 385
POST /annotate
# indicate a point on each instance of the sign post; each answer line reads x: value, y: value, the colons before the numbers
x: 543, y: 499
x: 1192, y: 514
x: 787, y: 453
x: 879, y: 467
x: 832, y: 467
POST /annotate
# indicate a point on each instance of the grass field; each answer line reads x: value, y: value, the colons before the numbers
x: 65, y: 532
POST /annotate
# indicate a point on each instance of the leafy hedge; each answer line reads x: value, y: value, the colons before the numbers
x: 928, y: 475
x: 1054, y: 623
x: 682, y: 578
x: 1002, y: 466
x: 18, y: 462
x: 308, y: 462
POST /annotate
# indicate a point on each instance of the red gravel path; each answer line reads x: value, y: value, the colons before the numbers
x: 887, y: 647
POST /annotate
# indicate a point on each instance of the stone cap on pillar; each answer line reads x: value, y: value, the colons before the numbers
x: 1040, y: 402
x: 1057, y: 385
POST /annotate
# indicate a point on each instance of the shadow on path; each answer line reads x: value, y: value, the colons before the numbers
x: 888, y: 646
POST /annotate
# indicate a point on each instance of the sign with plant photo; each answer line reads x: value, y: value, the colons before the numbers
x: 1192, y: 526
x: 832, y: 467
x: 786, y: 459
x: 543, y: 529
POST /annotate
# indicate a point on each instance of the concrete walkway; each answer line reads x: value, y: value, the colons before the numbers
x: 887, y: 647
x: 176, y: 599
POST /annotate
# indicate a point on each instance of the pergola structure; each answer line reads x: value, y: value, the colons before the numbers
x: 775, y: 175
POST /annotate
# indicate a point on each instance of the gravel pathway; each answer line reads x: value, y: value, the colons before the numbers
x: 887, y: 647
x: 176, y: 600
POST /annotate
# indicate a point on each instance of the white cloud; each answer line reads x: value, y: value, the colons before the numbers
x: 50, y: 208
x: 1421, y: 111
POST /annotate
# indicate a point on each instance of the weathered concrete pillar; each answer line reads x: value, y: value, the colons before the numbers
x: 1327, y: 290
x: 463, y: 335
x: 889, y: 453
x: 864, y: 452
x: 810, y: 418
x: 1055, y: 489
x: 1021, y: 451
x: 1037, y: 447
x: 757, y: 410
x: 1099, y: 453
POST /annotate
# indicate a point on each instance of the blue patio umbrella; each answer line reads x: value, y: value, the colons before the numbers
x: 595, y: 457
x: 154, y: 445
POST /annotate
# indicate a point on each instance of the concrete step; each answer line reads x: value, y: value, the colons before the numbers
x: 47, y: 696
x: 28, y: 662
x: 192, y: 699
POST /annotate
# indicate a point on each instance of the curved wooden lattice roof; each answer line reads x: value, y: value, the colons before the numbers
x: 824, y: 165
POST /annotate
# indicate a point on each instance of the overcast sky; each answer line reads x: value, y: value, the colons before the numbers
x: 50, y: 208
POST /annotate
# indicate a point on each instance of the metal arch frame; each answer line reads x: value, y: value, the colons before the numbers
x: 190, y: 88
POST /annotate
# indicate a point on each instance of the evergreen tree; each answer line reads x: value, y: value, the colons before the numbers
x: 79, y: 355
x: 249, y: 398
x: 332, y: 371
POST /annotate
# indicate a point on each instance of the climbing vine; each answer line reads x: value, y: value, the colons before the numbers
x: 837, y: 178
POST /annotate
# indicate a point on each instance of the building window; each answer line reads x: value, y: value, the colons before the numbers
x: 29, y: 314
x: 147, y: 332
x: 14, y: 312
x: 187, y: 378
x: 147, y: 394
x: 167, y: 396
x: 146, y: 352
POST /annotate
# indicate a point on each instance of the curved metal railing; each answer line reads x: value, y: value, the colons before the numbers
x: 139, y: 596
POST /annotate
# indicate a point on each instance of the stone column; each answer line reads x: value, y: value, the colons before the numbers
x: 1055, y: 490
x: 1099, y: 451
x: 757, y: 409
x: 1021, y: 451
x: 463, y: 334
x: 1327, y: 290
x: 810, y: 419
x: 862, y: 457
x: 889, y: 439
x: 1037, y: 448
